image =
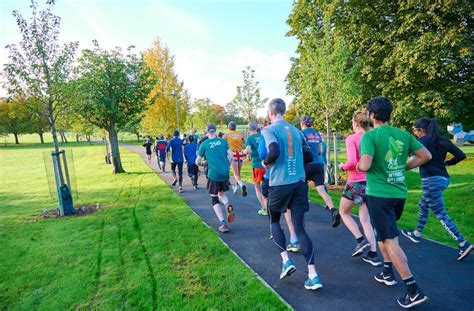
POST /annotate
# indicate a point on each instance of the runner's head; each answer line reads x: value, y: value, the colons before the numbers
x: 176, y: 133
x: 191, y: 138
x: 211, y: 130
x: 232, y: 126
x: 276, y: 109
x: 306, y: 122
x: 379, y: 109
x: 220, y: 135
x: 427, y: 126
x: 253, y: 126
x: 360, y: 119
x: 162, y: 137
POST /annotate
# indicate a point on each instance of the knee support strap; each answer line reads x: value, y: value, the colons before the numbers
x: 214, y: 199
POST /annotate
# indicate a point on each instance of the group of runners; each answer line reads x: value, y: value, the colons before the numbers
x: 285, y: 159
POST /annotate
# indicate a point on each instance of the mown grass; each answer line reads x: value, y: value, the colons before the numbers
x: 144, y: 250
x: 459, y: 200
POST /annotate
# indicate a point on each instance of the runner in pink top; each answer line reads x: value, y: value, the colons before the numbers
x: 354, y: 193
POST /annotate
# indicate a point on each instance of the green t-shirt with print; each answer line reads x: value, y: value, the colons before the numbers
x: 253, y: 141
x: 389, y: 147
x: 215, y: 152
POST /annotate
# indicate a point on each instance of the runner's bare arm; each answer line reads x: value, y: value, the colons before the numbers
x: 246, y: 150
x: 230, y: 155
x: 198, y: 160
x: 422, y: 156
x: 365, y: 163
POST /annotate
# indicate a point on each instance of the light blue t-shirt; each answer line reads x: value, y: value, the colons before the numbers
x: 288, y: 168
x: 314, y: 140
x: 262, y: 152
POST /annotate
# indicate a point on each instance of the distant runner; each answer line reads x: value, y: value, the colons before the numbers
x: 235, y: 141
x: 175, y: 146
x: 218, y: 157
x: 190, y: 153
x: 160, y: 149
x: 148, y: 144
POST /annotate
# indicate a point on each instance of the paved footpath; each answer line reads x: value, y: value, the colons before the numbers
x: 348, y: 282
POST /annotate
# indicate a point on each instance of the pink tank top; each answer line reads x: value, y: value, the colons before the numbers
x: 353, y: 156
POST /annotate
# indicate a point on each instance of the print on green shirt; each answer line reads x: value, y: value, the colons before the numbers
x: 394, y: 161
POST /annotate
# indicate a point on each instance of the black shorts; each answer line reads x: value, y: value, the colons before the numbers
x: 265, y: 187
x: 315, y: 172
x: 384, y: 213
x: 290, y: 196
x: 214, y: 187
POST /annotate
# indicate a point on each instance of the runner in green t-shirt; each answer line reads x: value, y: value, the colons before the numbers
x: 218, y: 157
x: 257, y: 168
x: 384, y: 151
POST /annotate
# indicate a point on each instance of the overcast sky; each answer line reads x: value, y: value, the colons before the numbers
x: 212, y: 40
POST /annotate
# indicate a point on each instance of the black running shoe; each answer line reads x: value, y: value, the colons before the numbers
x: 336, y: 218
x: 409, y: 301
x: 174, y: 182
x: 464, y: 250
x: 244, y: 190
x: 374, y: 261
x: 387, y: 279
x: 360, y: 248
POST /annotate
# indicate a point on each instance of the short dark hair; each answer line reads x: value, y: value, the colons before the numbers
x: 381, y: 107
x: 277, y: 106
x: 191, y: 138
x: 232, y: 126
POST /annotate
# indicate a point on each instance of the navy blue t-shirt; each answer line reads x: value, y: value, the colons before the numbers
x: 190, y: 153
x: 176, y: 147
x: 437, y: 165
x: 314, y: 140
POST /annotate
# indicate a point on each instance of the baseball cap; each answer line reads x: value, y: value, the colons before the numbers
x: 211, y: 128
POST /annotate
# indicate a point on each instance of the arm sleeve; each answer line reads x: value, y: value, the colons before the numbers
x: 307, y: 153
x: 273, y: 153
x: 351, y: 155
x: 456, y: 152
x: 367, y: 145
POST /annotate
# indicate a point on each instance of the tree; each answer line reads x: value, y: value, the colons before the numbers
x: 248, y: 99
x: 111, y: 90
x: 13, y: 118
x: 36, y: 121
x: 167, y: 92
x: 39, y: 66
x: 219, y: 112
x: 203, y: 113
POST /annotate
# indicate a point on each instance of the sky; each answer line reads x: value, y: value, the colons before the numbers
x: 212, y: 40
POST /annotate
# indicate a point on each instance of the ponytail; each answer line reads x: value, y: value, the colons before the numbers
x: 430, y: 126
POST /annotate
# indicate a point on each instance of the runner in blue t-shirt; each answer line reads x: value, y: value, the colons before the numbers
x: 288, y: 189
x: 190, y: 153
x: 314, y: 171
x: 175, y: 146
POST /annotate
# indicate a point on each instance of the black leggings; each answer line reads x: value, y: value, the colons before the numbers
x: 180, y: 172
x: 193, y: 172
x: 297, y: 216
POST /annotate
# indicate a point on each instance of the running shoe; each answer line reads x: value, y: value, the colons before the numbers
x: 262, y: 212
x: 230, y: 213
x: 409, y: 301
x: 195, y: 187
x: 224, y: 228
x: 287, y: 269
x: 174, y: 182
x: 387, y: 279
x: 464, y: 250
x: 293, y: 247
x: 360, y: 248
x: 244, y: 190
x: 411, y: 235
x: 374, y: 261
x: 235, y: 188
x: 336, y: 218
x: 180, y: 189
x: 313, y: 284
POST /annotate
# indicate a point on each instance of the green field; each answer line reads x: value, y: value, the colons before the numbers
x: 459, y: 200
x: 144, y: 250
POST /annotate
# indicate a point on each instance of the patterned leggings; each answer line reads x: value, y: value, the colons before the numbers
x: 432, y: 198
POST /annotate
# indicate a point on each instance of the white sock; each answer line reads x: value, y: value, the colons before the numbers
x: 293, y: 238
x: 312, y: 275
x: 284, y: 256
x: 240, y: 183
x: 224, y: 200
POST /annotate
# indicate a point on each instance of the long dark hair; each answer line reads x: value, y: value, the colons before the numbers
x: 430, y: 126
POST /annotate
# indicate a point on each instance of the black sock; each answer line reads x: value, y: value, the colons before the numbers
x: 360, y: 239
x: 412, y: 287
x: 372, y: 254
x: 387, y: 267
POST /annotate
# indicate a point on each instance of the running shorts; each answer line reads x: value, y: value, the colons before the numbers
x: 257, y: 174
x: 214, y: 187
x: 292, y: 196
x: 238, y: 156
x: 355, y: 192
x: 384, y: 213
x: 315, y: 172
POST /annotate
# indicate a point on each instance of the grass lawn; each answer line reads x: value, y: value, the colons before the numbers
x: 459, y: 200
x: 144, y: 250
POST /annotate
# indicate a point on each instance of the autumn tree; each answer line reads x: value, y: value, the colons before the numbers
x: 248, y: 98
x: 13, y: 118
x: 168, y: 100
x: 111, y: 91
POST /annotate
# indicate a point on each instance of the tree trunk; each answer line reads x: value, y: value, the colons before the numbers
x: 63, y: 137
x: 55, y: 141
x: 77, y: 138
x: 41, y: 137
x: 114, y: 148
x: 328, y: 139
x: 88, y: 137
x: 138, y: 136
x: 16, y: 138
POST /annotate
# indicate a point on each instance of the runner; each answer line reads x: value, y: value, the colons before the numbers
x: 314, y: 171
x: 434, y: 180
x: 288, y: 189
x: 175, y: 146
x: 384, y: 152
x: 148, y: 144
x: 160, y: 149
x: 294, y: 246
x: 190, y: 153
x: 218, y: 157
x: 235, y: 140
x: 258, y: 171
x: 354, y: 193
